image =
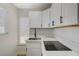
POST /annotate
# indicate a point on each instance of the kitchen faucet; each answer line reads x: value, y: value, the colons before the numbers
x: 35, y: 33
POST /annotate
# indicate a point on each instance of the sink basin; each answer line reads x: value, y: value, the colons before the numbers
x: 34, y: 38
x: 55, y: 46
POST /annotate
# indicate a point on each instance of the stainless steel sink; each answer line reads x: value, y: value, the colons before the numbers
x: 34, y: 38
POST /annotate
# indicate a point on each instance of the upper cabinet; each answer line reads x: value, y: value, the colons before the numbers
x: 35, y: 19
x: 69, y: 13
x: 40, y: 19
x: 58, y: 14
x: 46, y: 18
x: 64, y: 14
x: 55, y: 14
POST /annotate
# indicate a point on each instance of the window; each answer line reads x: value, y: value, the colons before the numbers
x: 3, y: 18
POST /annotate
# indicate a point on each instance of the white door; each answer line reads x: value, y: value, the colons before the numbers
x: 23, y: 29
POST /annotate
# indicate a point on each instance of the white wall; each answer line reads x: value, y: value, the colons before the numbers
x: 23, y: 12
x: 69, y: 37
x: 8, y: 41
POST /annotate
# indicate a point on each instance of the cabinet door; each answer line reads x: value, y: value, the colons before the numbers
x: 35, y: 19
x: 33, y: 48
x: 45, y: 18
x: 69, y: 13
x: 33, y: 52
x: 33, y: 45
x: 55, y: 13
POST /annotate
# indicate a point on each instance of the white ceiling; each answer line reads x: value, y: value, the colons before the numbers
x: 33, y: 6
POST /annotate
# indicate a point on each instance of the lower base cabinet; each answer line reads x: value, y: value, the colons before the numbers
x: 33, y: 48
x: 33, y: 52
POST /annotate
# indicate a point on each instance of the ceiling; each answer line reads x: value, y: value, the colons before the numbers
x: 33, y: 6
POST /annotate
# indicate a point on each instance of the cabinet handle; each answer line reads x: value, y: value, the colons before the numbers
x: 61, y: 19
x: 52, y: 23
x: 41, y: 25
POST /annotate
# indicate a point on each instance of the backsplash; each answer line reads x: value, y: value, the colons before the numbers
x: 42, y: 32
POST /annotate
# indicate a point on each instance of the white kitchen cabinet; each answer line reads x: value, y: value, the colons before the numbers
x: 69, y: 13
x: 55, y: 14
x: 33, y: 52
x: 46, y: 18
x: 33, y: 48
x: 35, y: 19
